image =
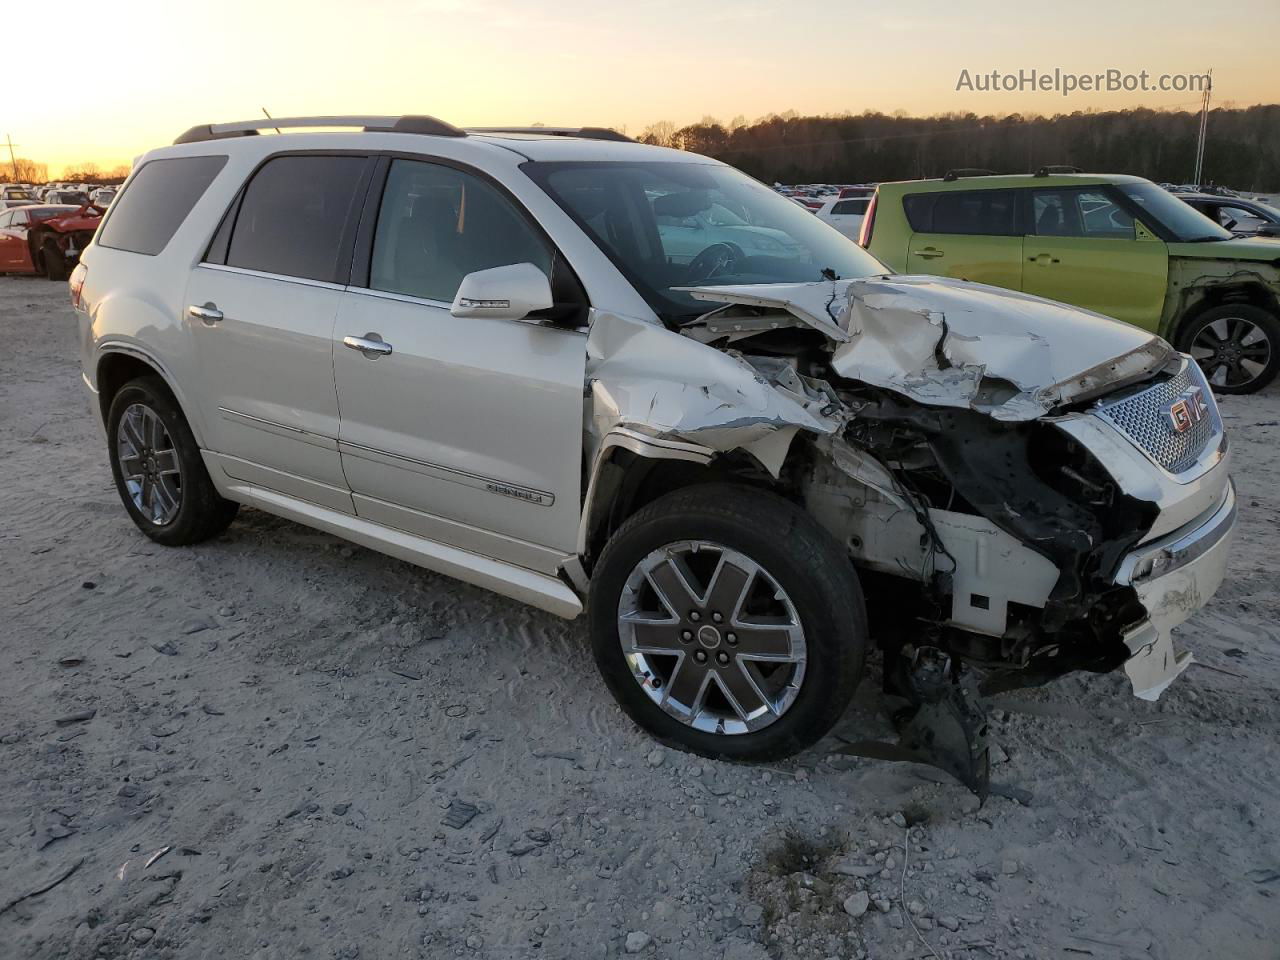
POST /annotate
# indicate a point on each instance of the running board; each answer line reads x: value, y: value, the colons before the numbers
x: 536, y: 589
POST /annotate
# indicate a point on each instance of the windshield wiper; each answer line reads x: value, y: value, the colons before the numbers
x: 1209, y: 239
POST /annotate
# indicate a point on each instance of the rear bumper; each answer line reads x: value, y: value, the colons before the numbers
x: 1174, y: 577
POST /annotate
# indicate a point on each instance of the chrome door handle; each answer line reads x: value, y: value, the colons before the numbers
x: 371, y: 345
x: 207, y: 313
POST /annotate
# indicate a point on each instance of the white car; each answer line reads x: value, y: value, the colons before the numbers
x: 474, y: 351
x: 845, y: 215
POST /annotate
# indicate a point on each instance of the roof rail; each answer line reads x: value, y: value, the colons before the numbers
x: 959, y: 172
x: 586, y: 133
x: 1056, y: 168
x: 247, y: 128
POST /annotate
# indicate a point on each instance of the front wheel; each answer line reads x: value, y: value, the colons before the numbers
x: 1236, y: 345
x: 726, y: 622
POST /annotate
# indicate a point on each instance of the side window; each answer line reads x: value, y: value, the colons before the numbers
x: 437, y: 224
x: 974, y: 212
x: 1238, y: 214
x: 6, y: 219
x: 854, y: 207
x: 146, y: 216
x: 1079, y: 213
x: 293, y: 215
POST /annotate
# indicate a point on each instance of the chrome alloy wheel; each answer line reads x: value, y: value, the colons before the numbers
x: 149, y: 464
x: 1232, y: 351
x: 711, y: 637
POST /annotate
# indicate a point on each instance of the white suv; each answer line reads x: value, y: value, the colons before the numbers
x: 472, y: 350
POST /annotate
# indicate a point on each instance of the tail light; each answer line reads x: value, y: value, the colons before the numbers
x: 76, y: 284
x: 868, y: 221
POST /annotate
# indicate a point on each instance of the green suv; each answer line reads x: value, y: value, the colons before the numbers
x: 1114, y: 244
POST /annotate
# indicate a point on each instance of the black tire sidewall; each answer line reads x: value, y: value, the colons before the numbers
x: 818, y: 578
x: 198, y: 496
x: 55, y: 265
x: 1267, y: 322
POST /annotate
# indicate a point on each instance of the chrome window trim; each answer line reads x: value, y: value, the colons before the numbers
x: 245, y: 271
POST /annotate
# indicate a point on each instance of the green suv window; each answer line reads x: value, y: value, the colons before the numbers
x: 984, y: 212
x: 1078, y: 213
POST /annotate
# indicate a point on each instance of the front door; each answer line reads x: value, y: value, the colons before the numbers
x: 262, y: 324
x: 467, y: 431
x: 15, y: 253
x: 1087, y: 251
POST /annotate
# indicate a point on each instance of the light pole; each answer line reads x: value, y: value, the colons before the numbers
x: 1204, y: 124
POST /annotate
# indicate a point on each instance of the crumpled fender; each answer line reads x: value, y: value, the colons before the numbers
x: 645, y: 378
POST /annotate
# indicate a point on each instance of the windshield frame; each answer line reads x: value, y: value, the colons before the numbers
x: 1165, y: 226
x: 668, y: 308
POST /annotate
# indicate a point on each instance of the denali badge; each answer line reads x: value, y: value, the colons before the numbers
x: 1189, y: 408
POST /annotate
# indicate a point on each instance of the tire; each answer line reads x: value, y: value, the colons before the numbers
x: 727, y: 528
x: 174, y: 502
x: 55, y: 264
x: 1223, y: 340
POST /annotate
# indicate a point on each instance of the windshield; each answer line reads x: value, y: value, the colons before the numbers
x: 668, y: 225
x: 1183, y: 221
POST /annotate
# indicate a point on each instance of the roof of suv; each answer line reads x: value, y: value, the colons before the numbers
x: 1008, y: 182
x: 533, y: 143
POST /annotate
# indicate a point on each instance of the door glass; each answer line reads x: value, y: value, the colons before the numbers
x: 437, y: 224
x: 293, y: 214
x: 973, y: 212
x: 1079, y: 213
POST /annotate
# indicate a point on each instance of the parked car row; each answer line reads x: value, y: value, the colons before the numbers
x: 20, y: 194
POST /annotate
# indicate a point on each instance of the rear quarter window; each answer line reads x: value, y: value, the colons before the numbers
x: 147, y: 214
x: 856, y: 207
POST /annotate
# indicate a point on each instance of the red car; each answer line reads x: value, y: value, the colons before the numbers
x: 46, y: 238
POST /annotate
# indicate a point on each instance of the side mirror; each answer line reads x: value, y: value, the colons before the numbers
x: 508, y: 293
x: 1269, y: 230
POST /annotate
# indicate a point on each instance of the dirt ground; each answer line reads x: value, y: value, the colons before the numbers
x: 269, y: 746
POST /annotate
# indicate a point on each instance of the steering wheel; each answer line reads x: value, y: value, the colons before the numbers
x: 713, y: 260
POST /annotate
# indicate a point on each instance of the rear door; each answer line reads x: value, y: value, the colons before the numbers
x: 1086, y: 249
x: 261, y: 310
x: 968, y: 234
x: 469, y: 432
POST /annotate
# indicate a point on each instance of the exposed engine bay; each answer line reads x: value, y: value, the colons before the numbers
x: 1018, y: 474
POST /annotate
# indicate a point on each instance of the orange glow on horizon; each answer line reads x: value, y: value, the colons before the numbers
x: 152, y: 68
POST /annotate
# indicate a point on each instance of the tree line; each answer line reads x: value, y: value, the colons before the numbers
x: 23, y: 170
x: 1242, y: 146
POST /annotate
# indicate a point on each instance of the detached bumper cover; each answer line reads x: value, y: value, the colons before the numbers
x: 1173, y: 577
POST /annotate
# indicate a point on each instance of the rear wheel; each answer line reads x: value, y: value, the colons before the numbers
x: 726, y: 622
x: 1236, y: 345
x: 158, y: 470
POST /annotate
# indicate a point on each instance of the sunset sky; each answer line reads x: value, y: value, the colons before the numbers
x: 128, y: 75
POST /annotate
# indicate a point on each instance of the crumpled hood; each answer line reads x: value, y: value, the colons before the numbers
x: 953, y: 343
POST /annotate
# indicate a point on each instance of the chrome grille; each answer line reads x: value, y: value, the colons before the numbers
x: 1143, y: 418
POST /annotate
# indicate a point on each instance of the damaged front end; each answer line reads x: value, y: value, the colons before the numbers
x: 1045, y: 489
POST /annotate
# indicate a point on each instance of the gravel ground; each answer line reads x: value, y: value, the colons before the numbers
x: 279, y: 745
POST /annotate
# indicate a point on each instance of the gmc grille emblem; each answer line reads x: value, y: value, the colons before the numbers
x: 1186, y: 410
